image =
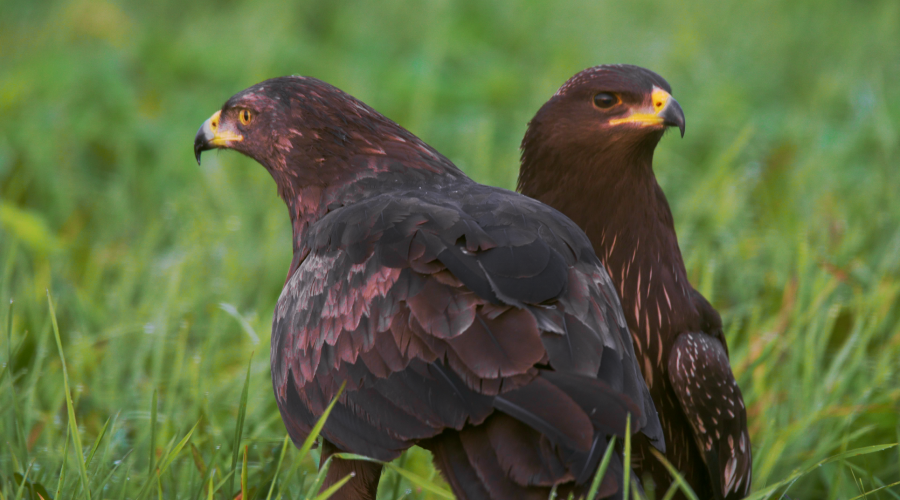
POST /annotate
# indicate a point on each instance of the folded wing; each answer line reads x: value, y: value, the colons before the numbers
x: 485, y: 322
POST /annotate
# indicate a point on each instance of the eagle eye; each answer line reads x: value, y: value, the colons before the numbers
x: 245, y: 117
x: 605, y: 100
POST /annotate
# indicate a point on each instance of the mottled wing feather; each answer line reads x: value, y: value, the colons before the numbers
x: 436, y: 311
x: 711, y: 400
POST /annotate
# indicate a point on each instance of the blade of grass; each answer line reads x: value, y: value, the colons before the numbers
x: 864, y: 494
x: 673, y: 489
x: 421, y: 482
x: 293, y: 470
x: 43, y: 355
x: 15, y: 463
x: 73, y: 424
x: 166, y: 461
x: 892, y: 493
x: 334, y: 487
x: 20, y: 449
x: 287, y: 439
x: 308, y: 442
x: 19, y: 438
x: 636, y: 492
x: 11, y: 353
x: 314, y: 434
x: 626, y: 465
x: 395, y: 490
x: 124, y: 486
x: 300, y: 486
x: 198, y: 460
x: 688, y: 492
x: 244, y: 475
x: 40, y: 490
x: 9, y: 315
x: 203, y: 479
x: 222, y: 482
x: 24, y: 482
x: 790, y: 480
x: 416, y: 479
x: 104, y: 458
x: 601, y: 469
x: 112, y: 471
x: 239, y: 425
x: 233, y: 312
x: 151, y: 461
x: 97, y: 442
x: 15, y: 353
x: 170, y: 456
x: 320, y: 478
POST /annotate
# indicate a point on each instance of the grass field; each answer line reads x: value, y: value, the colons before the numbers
x: 164, y: 275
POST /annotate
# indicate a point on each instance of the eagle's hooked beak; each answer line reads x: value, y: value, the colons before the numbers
x: 213, y: 134
x: 664, y: 110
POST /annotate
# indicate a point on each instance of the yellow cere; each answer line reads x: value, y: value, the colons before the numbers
x: 221, y: 137
x: 214, y: 121
x: 647, y: 116
x: 660, y: 98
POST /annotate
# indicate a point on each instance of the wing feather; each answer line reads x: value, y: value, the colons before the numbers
x: 711, y: 400
x: 438, y: 314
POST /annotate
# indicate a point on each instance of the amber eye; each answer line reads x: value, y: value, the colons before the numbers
x: 605, y: 100
x: 245, y: 117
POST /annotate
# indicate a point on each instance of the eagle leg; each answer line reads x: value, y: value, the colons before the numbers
x: 362, y: 486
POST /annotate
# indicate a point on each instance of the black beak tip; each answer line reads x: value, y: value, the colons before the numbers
x: 673, y: 116
x: 200, y: 144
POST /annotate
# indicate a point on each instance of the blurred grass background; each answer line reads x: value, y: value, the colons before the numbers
x: 165, y: 275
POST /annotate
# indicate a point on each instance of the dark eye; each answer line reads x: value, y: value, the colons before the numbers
x: 245, y: 117
x: 605, y: 100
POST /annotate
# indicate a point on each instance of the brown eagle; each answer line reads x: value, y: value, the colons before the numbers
x: 588, y: 152
x: 470, y: 320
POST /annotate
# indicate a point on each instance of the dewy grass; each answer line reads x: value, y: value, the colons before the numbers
x: 601, y: 469
x: 73, y: 424
x: 783, y: 192
x: 151, y: 461
x: 679, y: 483
x: 626, y: 459
x: 284, y: 447
x: 239, y: 429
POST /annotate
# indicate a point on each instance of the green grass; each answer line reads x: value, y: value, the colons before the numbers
x: 164, y: 275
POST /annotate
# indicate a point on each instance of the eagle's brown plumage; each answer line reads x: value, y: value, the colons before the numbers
x: 470, y: 320
x: 588, y: 152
